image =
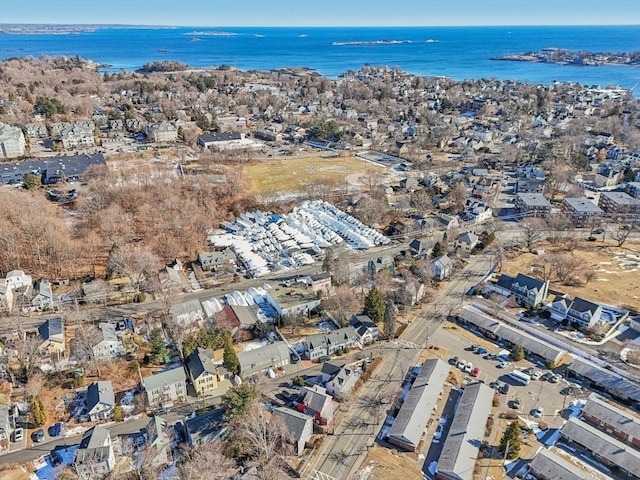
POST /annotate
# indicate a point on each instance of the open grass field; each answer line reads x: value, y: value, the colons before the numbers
x: 617, y: 280
x: 296, y: 175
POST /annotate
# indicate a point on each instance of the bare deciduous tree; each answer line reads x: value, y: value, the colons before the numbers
x: 86, y: 337
x: 532, y: 233
x: 342, y: 305
x: 620, y: 234
x: 205, y: 461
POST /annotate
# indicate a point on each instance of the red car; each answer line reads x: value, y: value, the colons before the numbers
x: 475, y: 372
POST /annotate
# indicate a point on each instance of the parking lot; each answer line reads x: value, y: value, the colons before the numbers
x: 455, y: 341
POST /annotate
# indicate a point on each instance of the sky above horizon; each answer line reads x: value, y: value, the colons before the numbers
x: 325, y: 13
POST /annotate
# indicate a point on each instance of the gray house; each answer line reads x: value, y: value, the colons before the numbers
x: 108, y: 345
x: 100, y: 401
x: 327, y: 344
x: 205, y: 428
x: 584, y: 313
x: 462, y: 445
x: 43, y: 299
x: 419, y: 405
x: 216, y: 261
x: 366, y: 330
x: 300, y: 426
x: 547, y: 465
x: 262, y: 359
x: 441, y: 268
x: 94, y: 457
x: 165, y: 388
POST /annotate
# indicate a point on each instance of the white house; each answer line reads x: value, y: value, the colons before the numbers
x: 441, y: 267
x: 100, y: 401
x: 43, y: 299
x: 109, y: 345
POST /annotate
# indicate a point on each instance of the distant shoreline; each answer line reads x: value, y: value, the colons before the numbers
x: 574, y: 58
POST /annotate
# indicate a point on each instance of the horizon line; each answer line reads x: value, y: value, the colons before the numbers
x: 317, y: 26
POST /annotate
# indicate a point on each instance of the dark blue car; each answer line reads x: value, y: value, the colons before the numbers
x: 55, y: 430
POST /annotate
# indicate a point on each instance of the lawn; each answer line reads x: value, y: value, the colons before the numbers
x: 617, y: 272
x: 385, y: 464
x: 296, y: 175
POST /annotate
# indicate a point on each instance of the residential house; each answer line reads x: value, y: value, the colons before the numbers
x: 17, y: 279
x: 409, y: 292
x: 223, y: 261
x: 584, y: 313
x: 612, y: 420
x: 12, y: 142
x: 53, y: 339
x: 448, y: 221
x: 330, y: 369
x: 532, y: 204
x: 162, y: 132
x: 317, y: 403
x: 441, y: 268
x: 35, y: 130
x: 378, y: 264
x: 109, y: 344
x: 6, y: 426
x: 342, y: 382
x: 188, y: 315
x: 205, y: 428
x: 292, y: 301
x: 467, y: 241
x: 299, y: 425
x: 94, y: 457
x: 477, y: 212
x: 366, y: 330
x: 582, y: 211
x: 159, y: 435
x: 330, y: 343
x: 165, y: 388
x: 100, y: 401
x: 528, y: 290
x: 238, y: 317
x: 619, y: 204
x: 559, y: 307
x: 262, y: 359
x: 43, y: 299
x: 421, y: 247
x: 202, y: 371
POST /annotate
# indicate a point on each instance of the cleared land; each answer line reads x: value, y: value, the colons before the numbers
x: 385, y: 464
x: 617, y: 272
x: 297, y: 175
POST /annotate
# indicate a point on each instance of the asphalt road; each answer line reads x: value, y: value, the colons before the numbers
x: 340, y: 455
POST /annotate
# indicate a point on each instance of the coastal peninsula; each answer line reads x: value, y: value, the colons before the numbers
x: 570, y: 57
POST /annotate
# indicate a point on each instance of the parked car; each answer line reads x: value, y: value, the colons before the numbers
x: 537, y: 412
x: 18, y: 434
x: 454, y: 360
x: 481, y: 351
x: 553, y: 378
x: 515, y: 404
x: 495, y: 385
x: 503, y: 364
x: 489, y: 356
x: 438, y: 433
x: 536, y: 375
x: 472, y: 348
x: 462, y: 364
x: 528, y: 371
x: 55, y: 430
x: 475, y: 372
x: 468, y: 368
x: 504, y: 389
x: 38, y: 435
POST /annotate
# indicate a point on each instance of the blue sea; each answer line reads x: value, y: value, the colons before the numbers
x: 456, y: 52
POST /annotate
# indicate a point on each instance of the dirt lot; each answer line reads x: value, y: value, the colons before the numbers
x: 17, y: 472
x: 617, y: 272
x: 384, y: 464
x: 297, y: 174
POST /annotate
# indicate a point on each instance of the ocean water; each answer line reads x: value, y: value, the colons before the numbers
x: 456, y: 52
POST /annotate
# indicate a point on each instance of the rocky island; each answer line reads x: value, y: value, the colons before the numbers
x: 570, y: 57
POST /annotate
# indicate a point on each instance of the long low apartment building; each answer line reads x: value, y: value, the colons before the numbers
x: 604, y: 448
x: 462, y: 445
x: 547, y: 465
x: 414, y: 415
x: 620, y: 424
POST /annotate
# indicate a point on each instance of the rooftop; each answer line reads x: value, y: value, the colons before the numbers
x: 582, y: 205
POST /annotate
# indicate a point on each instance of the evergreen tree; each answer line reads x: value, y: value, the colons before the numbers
x: 510, y: 442
x: 327, y: 263
x: 438, y: 251
x: 389, y: 320
x: 158, y: 347
x: 237, y: 399
x: 230, y: 357
x: 374, y: 305
x: 517, y: 353
x: 38, y: 413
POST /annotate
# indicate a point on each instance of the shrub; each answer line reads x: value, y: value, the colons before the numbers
x: 118, y: 413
